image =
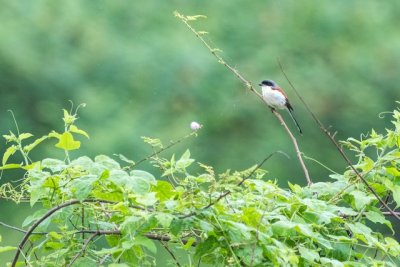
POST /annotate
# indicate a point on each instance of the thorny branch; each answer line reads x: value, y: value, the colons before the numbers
x: 250, y: 87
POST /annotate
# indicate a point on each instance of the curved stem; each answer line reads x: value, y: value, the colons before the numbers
x: 44, y: 217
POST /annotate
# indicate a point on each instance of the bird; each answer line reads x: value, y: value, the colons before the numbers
x: 276, y: 98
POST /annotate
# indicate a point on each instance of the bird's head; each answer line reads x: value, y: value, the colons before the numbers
x: 269, y: 83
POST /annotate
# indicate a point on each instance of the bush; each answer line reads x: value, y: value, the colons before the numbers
x: 106, y: 211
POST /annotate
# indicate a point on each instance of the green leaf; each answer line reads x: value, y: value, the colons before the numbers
x: 251, y: 255
x: 68, y: 118
x: 107, y: 162
x: 139, y: 186
x: 85, y: 262
x: 7, y: 248
x: 75, y: 129
x: 81, y: 187
x: 154, y: 142
x: 54, y: 245
x: 147, y: 243
x: 31, y: 146
x: 308, y: 254
x: 396, y: 194
x: 86, y: 163
x: 55, y: 165
x: 393, y: 247
x: 10, y: 138
x: 323, y: 242
x: 361, y: 199
x: 135, y: 174
x: 177, y: 226
x: 24, y: 136
x: 377, y: 217
x: 283, y: 228
x: 164, y: 219
x: 31, y: 218
x: 206, y: 247
x: 54, y: 134
x: 125, y: 159
x: 106, y: 251
x: 9, y: 152
x: 127, y: 183
x: 55, y: 235
x: 361, y: 232
x: 67, y: 142
x: 331, y: 262
x: 251, y: 216
x: 164, y: 190
x: 147, y: 199
x: 184, y: 162
x: 238, y: 231
x: 206, y: 226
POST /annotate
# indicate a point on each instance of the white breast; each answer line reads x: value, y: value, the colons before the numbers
x: 273, y: 98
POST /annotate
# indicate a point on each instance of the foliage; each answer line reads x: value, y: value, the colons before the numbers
x: 97, y: 211
x: 130, y: 60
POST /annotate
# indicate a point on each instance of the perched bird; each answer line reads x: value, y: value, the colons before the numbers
x: 276, y: 98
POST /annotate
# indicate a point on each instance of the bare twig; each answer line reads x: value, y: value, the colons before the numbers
x: 250, y: 87
x: 21, y: 230
x: 338, y: 148
x: 298, y: 152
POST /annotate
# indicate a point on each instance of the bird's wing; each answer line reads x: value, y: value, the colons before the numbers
x: 288, y: 105
x: 277, y: 88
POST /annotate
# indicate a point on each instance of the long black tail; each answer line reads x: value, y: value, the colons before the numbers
x: 295, y: 121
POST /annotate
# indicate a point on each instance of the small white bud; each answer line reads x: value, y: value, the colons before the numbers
x: 195, y: 125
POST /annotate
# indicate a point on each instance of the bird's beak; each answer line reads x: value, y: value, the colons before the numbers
x: 259, y: 84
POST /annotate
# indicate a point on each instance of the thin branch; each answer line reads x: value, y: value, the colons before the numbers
x: 342, y: 153
x: 170, y: 253
x: 21, y: 230
x: 296, y: 146
x: 250, y: 87
x: 388, y: 213
x: 171, y: 144
x: 87, y: 241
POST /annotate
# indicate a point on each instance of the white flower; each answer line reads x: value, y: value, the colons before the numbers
x: 195, y: 125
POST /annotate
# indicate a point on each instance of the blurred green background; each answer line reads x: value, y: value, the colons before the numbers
x: 141, y: 72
